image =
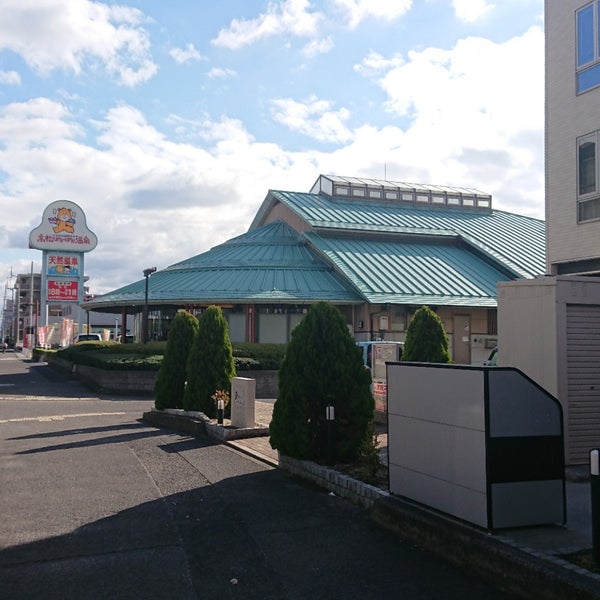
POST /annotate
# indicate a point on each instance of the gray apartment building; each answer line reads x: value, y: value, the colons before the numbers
x: 549, y: 327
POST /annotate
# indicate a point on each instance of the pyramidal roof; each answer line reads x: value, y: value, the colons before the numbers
x: 360, y: 240
x: 268, y: 264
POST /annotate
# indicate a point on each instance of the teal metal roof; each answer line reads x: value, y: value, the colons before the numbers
x: 442, y: 272
x: 514, y: 242
x: 269, y: 264
x: 357, y: 249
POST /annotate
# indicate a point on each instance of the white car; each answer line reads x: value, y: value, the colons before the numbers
x: 88, y: 337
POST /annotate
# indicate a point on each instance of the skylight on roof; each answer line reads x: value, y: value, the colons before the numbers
x: 401, y: 192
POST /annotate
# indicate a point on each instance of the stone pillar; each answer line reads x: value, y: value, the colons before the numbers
x: 243, y: 396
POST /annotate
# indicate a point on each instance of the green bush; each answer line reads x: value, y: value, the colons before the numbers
x: 169, y: 388
x: 426, y: 340
x: 210, y: 364
x: 245, y: 364
x: 72, y: 353
x: 263, y: 356
x: 42, y: 353
x: 322, y: 366
x: 110, y: 361
x: 137, y: 356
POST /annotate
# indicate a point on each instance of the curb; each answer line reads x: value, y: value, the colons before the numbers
x: 197, y: 423
x: 342, y: 485
x: 510, y: 568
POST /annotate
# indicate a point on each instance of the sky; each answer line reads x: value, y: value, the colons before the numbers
x: 168, y: 122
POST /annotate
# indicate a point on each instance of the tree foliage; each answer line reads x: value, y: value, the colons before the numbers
x: 322, y: 366
x: 426, y: 340
x: 170, y: 381
x: 210, y: 364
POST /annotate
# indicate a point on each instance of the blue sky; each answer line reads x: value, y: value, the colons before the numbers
x: 168, y: 122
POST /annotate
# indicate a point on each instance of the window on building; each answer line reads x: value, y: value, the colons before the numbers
x: 588, y: 46
x: 587, y: 164
x: 588, y: 210
x: 588, y: 190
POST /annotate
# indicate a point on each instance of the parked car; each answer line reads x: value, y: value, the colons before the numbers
x: 492, y: 360
x: 88, y: 337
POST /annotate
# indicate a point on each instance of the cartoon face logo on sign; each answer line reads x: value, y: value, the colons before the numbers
x: 63, y: 227
x: 64, y: 219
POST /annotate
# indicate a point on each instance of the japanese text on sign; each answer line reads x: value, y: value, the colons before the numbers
x: 63, y: 291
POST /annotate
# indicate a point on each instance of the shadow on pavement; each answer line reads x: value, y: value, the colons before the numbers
x: 259, y: 536
x: 89, y: 443
x: 82, y: 431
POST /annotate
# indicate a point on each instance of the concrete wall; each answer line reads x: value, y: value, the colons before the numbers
x: 142, y: 382
x: 527, y: 329
x: 532, y: 327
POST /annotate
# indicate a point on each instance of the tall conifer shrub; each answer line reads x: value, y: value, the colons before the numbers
x: 210, y: 365
x: 322, y: 365
x: 170, y: 381
x: 426, y: 340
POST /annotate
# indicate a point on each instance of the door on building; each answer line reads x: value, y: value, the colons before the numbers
x: 583, y: 381
x: 461, y: 340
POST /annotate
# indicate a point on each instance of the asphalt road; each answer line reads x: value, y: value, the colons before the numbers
x: 95, y: 504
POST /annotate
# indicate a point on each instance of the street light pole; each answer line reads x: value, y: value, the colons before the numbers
x: 147, y: 273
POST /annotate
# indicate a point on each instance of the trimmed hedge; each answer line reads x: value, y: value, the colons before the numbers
x: 261, y: 356
x: 113, y: 355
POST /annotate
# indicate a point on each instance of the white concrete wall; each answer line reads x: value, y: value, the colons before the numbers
x: 527, y: 329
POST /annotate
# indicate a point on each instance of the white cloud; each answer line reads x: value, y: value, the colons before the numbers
x: 313, y: 118
x: 74, y: 35
x: 217, y: 73
x: 357, y: 11
x: 9, y: 78
x: 183, y: 55
x: 471, y: 10
x: 374, y: 64
x: 151, y: 197
x: 470, y: 116
x: 317, y: 46
x: 291, y: 17
x: 473, y: 114
x: 34, y: 123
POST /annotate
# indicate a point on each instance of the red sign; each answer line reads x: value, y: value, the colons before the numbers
x: 63, y: 291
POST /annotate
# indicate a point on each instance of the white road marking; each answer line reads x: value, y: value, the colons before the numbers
x: 61, y: 417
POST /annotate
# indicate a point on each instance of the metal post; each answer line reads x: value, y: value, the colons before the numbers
x: 595, y: 486
x: 330, y: 417
x: 147, y: 273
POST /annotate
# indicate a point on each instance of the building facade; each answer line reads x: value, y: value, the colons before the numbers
x: 573, y: 136
x: 550, y: 327
x: 22, y: 310
x: 378, y: 250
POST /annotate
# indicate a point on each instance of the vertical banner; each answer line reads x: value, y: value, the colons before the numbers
x: 66, y: 332
x: 41, y: 333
